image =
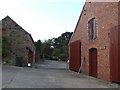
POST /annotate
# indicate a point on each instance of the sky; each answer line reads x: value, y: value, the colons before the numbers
x: 43, y: 19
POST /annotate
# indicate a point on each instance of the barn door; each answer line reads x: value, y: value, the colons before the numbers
x: 93, y: 62
x: 75, y: 55
x: 115, y: 54
x: 30, y: 56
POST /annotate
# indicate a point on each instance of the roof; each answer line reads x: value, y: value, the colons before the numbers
x: 31, y: 37
x: 7, y: 17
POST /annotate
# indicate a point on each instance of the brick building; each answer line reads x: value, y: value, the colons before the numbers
x: 93, y: 47
x: 20, y: 42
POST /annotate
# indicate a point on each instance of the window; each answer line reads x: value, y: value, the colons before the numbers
x: 92, y: 31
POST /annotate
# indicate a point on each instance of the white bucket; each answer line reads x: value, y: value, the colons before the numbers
x: 29, y: 64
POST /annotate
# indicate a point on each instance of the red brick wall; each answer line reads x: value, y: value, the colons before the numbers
x: 106, y: 14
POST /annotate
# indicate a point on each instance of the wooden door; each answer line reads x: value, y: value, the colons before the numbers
x: 75, y: 56
x: 115, y: 54
x: 93, y: 62
x: 30, y: 56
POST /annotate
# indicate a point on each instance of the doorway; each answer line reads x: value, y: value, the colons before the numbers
x: 93, y: 62
x: 115, y: 54
x: 30, y: 57
x: 75, y: 56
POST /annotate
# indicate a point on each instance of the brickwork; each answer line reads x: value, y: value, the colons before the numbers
x: 106, y: 15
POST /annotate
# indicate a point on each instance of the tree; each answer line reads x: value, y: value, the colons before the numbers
x: 47, y: 48
x: 38, y: 50
x: 55, y: 48
x: 62, y: 40
x: 38, y: 46
x: 61, y: 46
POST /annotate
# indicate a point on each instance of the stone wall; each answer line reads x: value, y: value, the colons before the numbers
x: 19, y: 39
x: 0, y: 42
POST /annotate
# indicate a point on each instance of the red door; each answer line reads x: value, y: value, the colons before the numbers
x: 115, y: 54
x: 93, y: 62
x: 75, y: 55
x: 30, y: 57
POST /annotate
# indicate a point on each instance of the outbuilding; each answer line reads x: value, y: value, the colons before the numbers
x: 21, y: 44
x: 94, y: 46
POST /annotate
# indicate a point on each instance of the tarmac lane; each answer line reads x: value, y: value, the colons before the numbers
x: 49, y: 74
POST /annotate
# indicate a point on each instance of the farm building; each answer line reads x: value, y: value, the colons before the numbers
x: 20, y: 43
x: 94, y: 46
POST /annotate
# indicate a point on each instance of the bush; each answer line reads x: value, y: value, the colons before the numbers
x: 5, y: 46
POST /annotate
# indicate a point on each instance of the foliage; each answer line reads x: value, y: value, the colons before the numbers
x: 55, y: 48
x: 0, y: 46
x: 5, y: 46
x: 61, y: 46
x: 46, y: 49
x: 38, y: 46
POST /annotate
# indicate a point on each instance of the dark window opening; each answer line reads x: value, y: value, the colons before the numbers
x: 92, y: 31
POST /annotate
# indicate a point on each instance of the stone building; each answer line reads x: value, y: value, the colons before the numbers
x: 21, y: 43
x: 94, y: 46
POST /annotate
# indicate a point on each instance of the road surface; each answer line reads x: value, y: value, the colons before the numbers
x: 49, y: 74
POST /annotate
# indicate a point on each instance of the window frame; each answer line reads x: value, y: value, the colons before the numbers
x: 92, y: 29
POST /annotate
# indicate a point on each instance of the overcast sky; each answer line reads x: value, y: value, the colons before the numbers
x: 43, y: 19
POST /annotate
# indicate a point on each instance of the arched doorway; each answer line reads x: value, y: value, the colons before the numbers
x: 93, y: 62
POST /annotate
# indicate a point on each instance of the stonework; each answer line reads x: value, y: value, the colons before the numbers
x: 106, y: 15
x: 19, y: 42
x: 0, y: 42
